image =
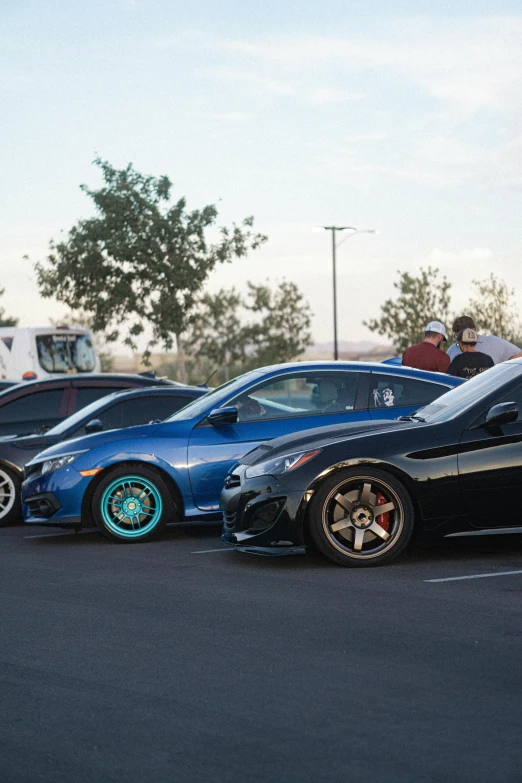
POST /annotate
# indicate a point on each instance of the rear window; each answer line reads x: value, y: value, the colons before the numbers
x: 60, y: 353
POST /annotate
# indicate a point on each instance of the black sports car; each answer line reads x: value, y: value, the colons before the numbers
x: 356, y: 493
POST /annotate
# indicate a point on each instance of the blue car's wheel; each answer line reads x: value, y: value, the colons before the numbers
x: 132, y: 503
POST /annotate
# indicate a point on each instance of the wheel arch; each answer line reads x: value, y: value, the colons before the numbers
x: 169, y: 481
x: 387, y: 467
x: 4, y: 463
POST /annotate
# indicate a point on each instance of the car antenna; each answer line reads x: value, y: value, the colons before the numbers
x: 209, y: 378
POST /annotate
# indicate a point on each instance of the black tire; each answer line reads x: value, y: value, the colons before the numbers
x: 10, y: 497
x: 124, y: 512
x: 357, y: 539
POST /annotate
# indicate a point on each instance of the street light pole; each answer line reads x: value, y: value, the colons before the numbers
x: 334, y: 229
x: 334, y: 275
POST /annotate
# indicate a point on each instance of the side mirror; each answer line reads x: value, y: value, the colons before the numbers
x: 92, y: 426
x: 219, y: 416
x: 503, y: 413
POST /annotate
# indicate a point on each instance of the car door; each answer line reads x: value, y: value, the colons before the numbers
x: 276, y: 406
x: 33, y: 412
x: 392, y: 396
x: 490, y: 469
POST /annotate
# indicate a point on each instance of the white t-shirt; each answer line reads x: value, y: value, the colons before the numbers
x: 500, y: 350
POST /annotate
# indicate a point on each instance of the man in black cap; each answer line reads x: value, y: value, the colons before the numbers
x: 469, y: 362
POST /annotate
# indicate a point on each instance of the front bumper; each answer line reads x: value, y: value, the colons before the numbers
x: 54, y: 499
x: 261, y: 512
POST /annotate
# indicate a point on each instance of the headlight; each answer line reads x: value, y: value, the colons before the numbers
x: 279, y: 465
x: 60, y: 462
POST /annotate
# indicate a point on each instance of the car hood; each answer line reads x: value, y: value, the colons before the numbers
x: 98, y: 439
x: 321, y: 437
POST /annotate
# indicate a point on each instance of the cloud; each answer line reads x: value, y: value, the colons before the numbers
x: 324, y: 95
x: 260, y: 84
x: 472, y: 64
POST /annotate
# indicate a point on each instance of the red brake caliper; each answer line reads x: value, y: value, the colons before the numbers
x: 383, y: 519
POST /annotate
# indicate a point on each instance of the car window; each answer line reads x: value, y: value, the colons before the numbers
x: 299, y: 395
x: 396, y: 391
x: 40, y: 406
x: 139, y: 410
x: 87, y: 394
x: 514, y: 396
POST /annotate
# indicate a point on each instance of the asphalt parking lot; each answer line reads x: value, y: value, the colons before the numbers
x: 181, y: 660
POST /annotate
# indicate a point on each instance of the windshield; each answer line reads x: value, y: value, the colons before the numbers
x: 60, y: 352
x: 213, y: 399
x: 465, y: 396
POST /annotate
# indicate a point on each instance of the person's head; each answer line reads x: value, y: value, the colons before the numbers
x: 461, y: 323
x: 467, y: 340
x: 435, y: 333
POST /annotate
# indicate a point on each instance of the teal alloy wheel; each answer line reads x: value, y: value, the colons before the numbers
x: 133, y: 503
x: 131, y: 507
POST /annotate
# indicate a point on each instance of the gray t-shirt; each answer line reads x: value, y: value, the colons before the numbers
x: 500, y: 350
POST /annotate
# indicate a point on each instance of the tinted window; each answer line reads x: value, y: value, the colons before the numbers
x: 139, y: 410
x: 299, y: 395
x: 514, y: 396
x: 87, y: 394
x: 396, y: 391
x: 39, y: 406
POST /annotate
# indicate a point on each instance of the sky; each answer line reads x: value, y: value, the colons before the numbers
x: 403, y: 117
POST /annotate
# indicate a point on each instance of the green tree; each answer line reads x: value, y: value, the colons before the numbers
x: 142, y: 260
x: 6, y: 320
x: 282, y: 332
x: 420, y: 299
x: 494, y: 308
x: 215, y: 332
x: 222, y: 336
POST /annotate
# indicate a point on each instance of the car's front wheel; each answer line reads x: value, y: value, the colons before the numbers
x: 10, y: 510
x: 132, y: 503
x: 361, y: 517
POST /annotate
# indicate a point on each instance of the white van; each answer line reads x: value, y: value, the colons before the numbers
x: 43, y: 352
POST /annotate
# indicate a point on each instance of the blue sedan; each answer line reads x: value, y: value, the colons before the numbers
x: 132, y: 482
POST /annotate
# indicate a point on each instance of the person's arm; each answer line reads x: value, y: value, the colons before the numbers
x: 516, y: 355
x: 453, y: 368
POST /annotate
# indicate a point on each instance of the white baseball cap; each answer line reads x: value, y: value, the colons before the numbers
x: 436, y: 326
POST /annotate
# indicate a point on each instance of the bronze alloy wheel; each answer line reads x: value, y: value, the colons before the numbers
x: 361, y: 517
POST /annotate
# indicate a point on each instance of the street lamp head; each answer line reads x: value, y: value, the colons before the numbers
x: 333, y: 228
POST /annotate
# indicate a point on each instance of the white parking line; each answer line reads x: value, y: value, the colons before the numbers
x: 473, y: 576
x: 53, y: 535
x: 206, y: 551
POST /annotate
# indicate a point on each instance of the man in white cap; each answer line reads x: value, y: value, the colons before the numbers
x: 428, y: 355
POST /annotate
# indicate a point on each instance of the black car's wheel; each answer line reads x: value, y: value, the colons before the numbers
x: 10, y: 508
x: 132, y: 503
x: 361, y: 517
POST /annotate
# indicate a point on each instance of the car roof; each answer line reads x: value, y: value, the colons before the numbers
x: 388, y: 369
x: 85, y: 379
x: 170, y: 391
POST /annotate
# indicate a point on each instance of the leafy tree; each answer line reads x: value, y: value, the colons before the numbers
x: 6, y: 320
x: 283, y: 331
x: 216, y: 332
x: 494, y: 309
x: 219, y: 337
x: 420, y: 300
x: 142, y: 260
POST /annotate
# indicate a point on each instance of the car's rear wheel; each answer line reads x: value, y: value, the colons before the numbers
x: 132, y: 503
x: 361, y: 517
x: 10, y: 509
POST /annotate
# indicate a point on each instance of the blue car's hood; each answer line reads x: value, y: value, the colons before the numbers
x: 98, y: 439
